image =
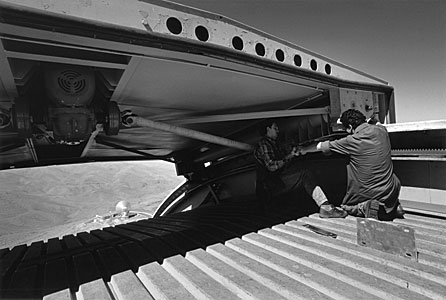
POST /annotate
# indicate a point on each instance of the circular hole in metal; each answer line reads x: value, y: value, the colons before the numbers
x: 174, y: 25
x: 313, y: 65
x: 260, y: 49
x: 280, y: 55
x: 237, y: 43
x: 201, y: 33
x: 297, y: 60
x: 328, y: 69
x: 408, y: 254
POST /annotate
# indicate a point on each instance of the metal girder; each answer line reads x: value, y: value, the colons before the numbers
x: 64, y: 60
x: 155, y: 53
x: 257, y: 115
x: 153, y: 17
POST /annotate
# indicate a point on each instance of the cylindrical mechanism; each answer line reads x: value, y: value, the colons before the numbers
x: 112, y: 118
x: 198, y: 135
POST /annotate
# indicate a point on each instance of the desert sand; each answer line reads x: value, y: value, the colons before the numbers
x: 45, y: 202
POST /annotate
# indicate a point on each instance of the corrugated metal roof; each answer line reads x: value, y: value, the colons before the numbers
x: 229, y: 251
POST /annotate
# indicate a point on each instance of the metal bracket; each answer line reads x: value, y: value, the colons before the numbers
x: 387, y: 237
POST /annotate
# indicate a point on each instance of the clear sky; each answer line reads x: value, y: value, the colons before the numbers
x: 400, y: 41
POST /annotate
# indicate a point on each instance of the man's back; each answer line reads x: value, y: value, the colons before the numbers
x: 371, y: 157
x: 370, y: 171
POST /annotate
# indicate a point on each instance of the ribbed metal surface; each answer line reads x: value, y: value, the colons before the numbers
x: 228, y: 251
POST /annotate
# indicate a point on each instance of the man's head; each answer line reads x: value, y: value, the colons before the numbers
x: 270, y: 129
x: 351, y: 119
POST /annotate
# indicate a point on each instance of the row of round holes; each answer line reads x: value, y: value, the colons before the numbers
x: 202, y: 34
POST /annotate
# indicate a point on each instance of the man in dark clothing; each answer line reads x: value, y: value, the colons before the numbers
x: 372, y: 187
x: 282, y: 175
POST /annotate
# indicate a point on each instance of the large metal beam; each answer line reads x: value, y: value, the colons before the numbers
x: 134, y: 121
x: 64, y: 60
x: 256, y: 115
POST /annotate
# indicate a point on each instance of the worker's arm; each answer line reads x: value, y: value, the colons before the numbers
x: 269, y: 158
x: 302, y: 150
x: 343, y: 146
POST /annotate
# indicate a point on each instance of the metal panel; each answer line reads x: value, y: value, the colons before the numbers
x: 395, y: 239
x: 356, y: 99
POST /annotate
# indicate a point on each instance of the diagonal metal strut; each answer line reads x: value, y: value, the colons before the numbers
x: 135, y: 121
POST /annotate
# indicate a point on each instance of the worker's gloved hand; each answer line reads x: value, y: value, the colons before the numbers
x: 298, y: 150
x: 294, y: 152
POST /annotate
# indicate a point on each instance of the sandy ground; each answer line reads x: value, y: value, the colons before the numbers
x: 46, y: 202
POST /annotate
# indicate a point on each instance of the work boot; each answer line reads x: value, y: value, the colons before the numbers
x: 330, y: 211
x: 369, y: 209
x: 352, y: 210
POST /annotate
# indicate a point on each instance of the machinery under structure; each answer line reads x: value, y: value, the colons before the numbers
x: 85, y: 81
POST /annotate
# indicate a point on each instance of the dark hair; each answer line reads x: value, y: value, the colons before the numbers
x: 352, y: 117
x: 264, y: 124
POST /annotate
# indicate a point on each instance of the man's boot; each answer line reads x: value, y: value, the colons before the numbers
x: 352, y: 210
x: 331, y: 211
x: 367, y: 209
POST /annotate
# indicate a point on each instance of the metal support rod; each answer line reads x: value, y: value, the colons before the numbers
x: 214, y: 195
x: 134, y: 121
x: 32, y: 149
x: 142, y: 153
x: 99, y: 128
